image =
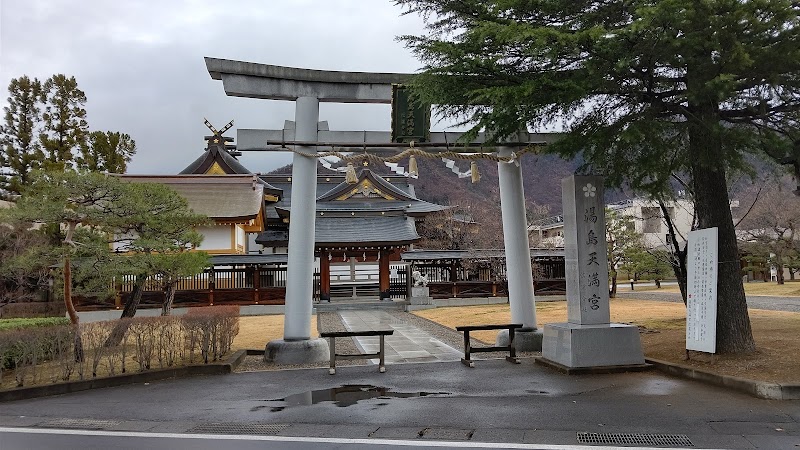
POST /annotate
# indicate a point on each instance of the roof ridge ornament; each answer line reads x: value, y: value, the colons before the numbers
x: 218, y: 140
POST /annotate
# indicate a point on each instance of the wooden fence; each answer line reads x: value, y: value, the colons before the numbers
x: 267, y: 286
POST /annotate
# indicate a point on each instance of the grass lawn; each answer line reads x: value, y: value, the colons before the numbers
x: 256, y: 331
x: 777, y: 335
x: 789, y: 289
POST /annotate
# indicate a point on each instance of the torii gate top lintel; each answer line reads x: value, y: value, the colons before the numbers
x: 266, y: 81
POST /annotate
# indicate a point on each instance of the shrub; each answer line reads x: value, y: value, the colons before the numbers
x: 9, y: 324
x: 43, y: 350
x: 211, y: 330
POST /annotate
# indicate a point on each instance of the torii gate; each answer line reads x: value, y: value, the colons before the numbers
x: 310, y: 87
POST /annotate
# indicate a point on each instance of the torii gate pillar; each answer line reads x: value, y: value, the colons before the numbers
x: 518, y: 258
x: 297, y: 345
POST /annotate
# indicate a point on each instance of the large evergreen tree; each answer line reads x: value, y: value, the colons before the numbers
x: 21, y: 151
x: 644, y: 88
x: 108, y: 151
x: 65, y: 128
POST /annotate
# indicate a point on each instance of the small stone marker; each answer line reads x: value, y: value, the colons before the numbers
x: 588, y: 339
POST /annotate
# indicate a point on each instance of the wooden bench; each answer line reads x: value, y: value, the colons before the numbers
x: 336, y: 334
x: 469, y: 349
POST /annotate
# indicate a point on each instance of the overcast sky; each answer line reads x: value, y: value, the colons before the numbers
x: 140, y: 63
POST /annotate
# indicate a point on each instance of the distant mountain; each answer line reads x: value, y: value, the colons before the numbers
x: 542, y: 175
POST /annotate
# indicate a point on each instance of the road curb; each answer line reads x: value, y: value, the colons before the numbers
x: 215, y: 368
x: 760, y: 389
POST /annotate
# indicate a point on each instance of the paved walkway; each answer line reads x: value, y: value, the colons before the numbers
x: 407, y: 344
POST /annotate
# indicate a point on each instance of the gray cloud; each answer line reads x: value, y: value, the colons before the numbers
x: 141, y: 65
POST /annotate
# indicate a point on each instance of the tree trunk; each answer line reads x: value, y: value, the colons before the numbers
x: 779, y: 273
x: 73, y: 315
x: 613, y: 292
x: 678, y: 260
x: 136, y: 296
x: 116, y: 335
x: 169, y: 296
x: 734, y: 334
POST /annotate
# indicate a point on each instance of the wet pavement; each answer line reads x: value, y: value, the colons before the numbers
x: 408, y: 343
x: 494, y: 402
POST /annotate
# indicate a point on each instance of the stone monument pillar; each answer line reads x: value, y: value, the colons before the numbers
x: 518, y: 258
x: 588, y: 339
x: 297, y: 345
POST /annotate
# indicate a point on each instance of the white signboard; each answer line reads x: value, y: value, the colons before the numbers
x: 701, y: 290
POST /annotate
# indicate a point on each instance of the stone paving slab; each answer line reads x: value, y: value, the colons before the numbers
x: 408, y: 344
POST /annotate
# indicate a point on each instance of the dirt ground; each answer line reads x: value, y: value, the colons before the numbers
x: 256, y: 331
x: 662, y: 324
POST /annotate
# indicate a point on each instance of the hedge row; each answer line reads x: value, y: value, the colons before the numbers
x: 50, y: 354
x: 10, y: 324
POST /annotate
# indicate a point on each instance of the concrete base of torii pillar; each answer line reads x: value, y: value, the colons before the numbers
x: 525, y: 339
x: 281, y: 351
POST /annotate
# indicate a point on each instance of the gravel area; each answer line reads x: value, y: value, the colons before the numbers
x: 326, y: 321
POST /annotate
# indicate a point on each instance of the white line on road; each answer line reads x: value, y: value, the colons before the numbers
x: 416, y: 443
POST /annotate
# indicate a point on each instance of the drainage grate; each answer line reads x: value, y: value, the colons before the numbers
x: 266, y: 429
x: 635, y: 439
x: 85, y: 424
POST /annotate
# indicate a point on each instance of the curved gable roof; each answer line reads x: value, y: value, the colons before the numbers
x: 376, y: 180
x: 222, y: 158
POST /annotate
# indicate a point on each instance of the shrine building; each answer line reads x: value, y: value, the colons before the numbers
x: 365, y: 231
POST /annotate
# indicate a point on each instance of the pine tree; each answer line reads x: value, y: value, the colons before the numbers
x: 65, y: 128
x: 108, y: 151
x: 21, y: 151
x: 644, y: 88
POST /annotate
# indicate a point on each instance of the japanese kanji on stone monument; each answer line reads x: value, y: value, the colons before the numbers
x: 588, y: 339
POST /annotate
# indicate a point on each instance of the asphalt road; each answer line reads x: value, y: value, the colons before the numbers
x: 14, y: 439
x: 753, y: 301
x: 426, y: 404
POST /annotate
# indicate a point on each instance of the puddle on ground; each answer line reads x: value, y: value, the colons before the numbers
x: 346, y: 395
x: 534, y: 391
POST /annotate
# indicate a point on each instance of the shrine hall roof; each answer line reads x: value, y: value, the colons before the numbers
x: 330, y: 188
x: 346, y: 230
x: 228, y: 163
x: 221, y: 197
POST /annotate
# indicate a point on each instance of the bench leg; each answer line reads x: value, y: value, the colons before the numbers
x: 466, y: 360
x: 511, y: 348
x: 332, y: 369
x: 381, y: 366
